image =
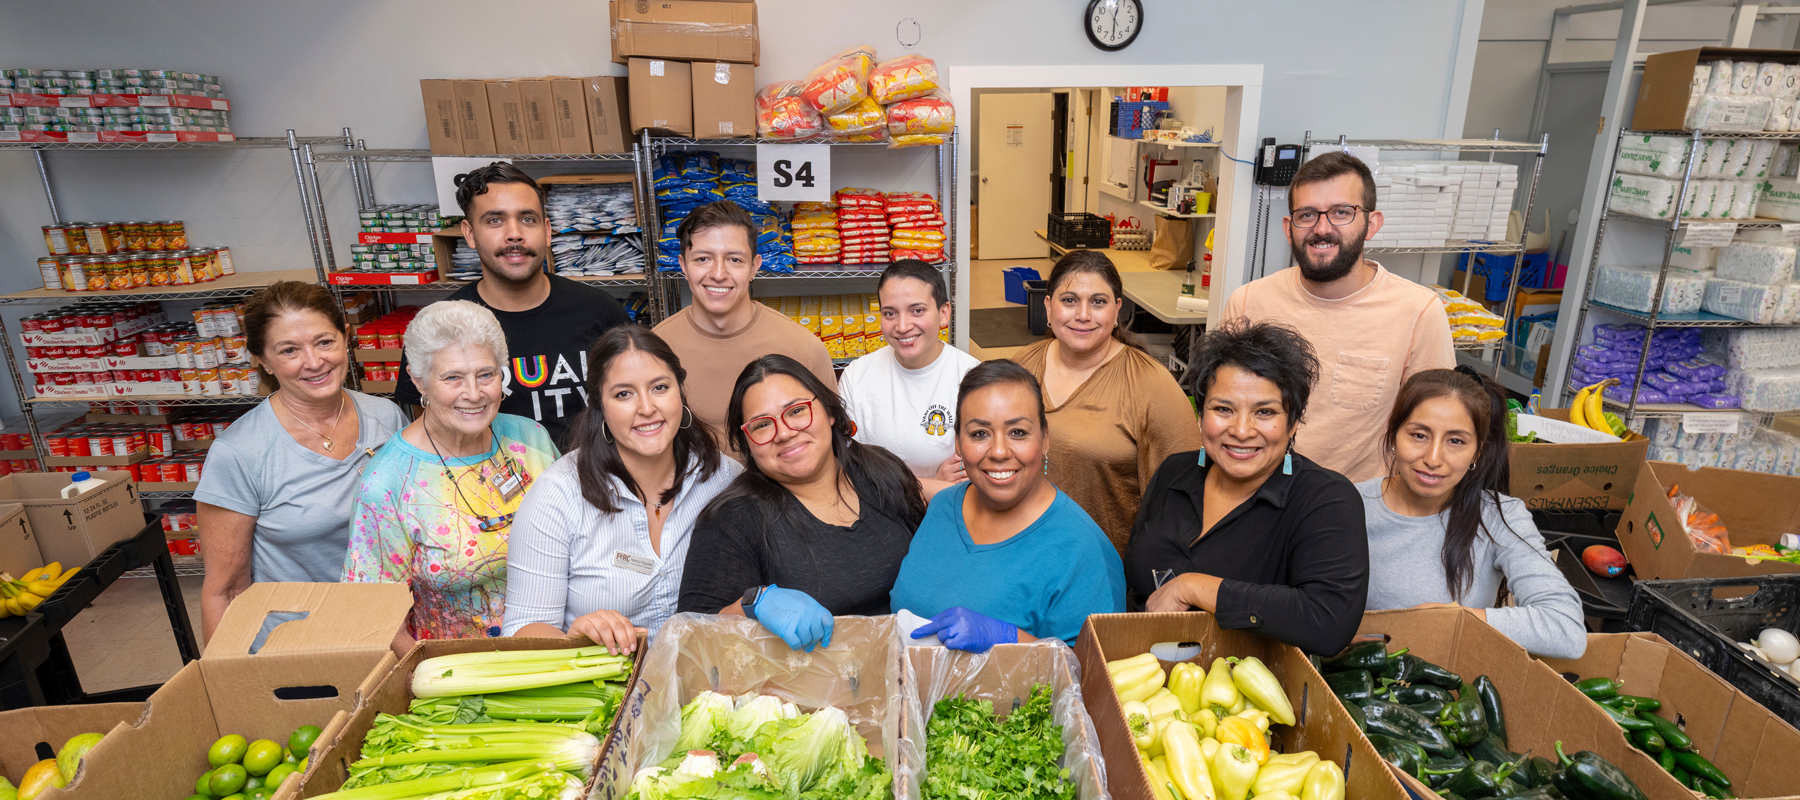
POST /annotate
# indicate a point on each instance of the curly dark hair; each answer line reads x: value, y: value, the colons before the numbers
x: 476, y: 182
x: 1270, y: 350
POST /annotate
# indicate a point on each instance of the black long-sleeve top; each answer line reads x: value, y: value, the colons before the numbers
x: 1294, y: 557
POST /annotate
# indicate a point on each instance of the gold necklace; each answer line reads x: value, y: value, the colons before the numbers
x: 343, y: 398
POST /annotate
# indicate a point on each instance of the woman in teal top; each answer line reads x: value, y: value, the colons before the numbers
x: 436, y: 505
x: 1006, y: 557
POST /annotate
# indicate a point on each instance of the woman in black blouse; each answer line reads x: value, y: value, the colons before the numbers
x: 816, y: 525
x: 1246, y: 528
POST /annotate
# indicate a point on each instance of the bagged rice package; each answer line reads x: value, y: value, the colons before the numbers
x: 840, y: 82
x: 903, y: 78
x: 932, y: 113
x: 781, y: 113
x: 862, y: 117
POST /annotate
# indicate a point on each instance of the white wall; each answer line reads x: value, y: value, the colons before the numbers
x: 1369, y: 69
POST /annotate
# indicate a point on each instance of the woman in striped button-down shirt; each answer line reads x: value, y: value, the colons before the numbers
x: 599, y: 545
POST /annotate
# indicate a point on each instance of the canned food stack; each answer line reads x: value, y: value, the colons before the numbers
x: 402, y: 218
x: 115, y: 350
x: 378, y: 342
x: 117, y: 106
x: 15, y: 443
x: 117, y: 256
x: 181, y: 529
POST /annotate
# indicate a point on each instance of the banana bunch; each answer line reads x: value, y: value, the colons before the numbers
x: 20, y: 595
x: 1585, y: 410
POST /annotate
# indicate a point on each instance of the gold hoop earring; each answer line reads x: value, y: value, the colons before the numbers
x: 605, y: 433
x: 687, y: 417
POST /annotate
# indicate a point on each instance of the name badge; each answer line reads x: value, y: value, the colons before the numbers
x: 643, y: 565
x: 504, y: 478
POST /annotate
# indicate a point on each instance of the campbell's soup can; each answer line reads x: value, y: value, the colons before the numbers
x: 190, y: 381
x: 121, y: 443
x: 31, y: 324
x: 125, y: 348
x: 96, y: 351
x: 209, y: 382
x: 52, y: 323
x: 160, y: 440
x: 173, y: 472
x: 191, y: 471
x: 167, y: 376
x: 100, y: 443
x: 57, y: 444
x: 149, y: 375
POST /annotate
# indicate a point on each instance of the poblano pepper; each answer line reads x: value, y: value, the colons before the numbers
x: 1357, y: 716
x: 1366, y: 656
x: 1416, y: 694
x: 1587, y: 776
x: 1464, y: 721
x: 1480, y: 779
x: 1405, y: 754
x: 1351, y: 686
x: 1535, y: 772
x: 1490, y: 705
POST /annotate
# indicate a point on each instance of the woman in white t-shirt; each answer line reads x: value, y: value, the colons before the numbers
x: 902, y: 397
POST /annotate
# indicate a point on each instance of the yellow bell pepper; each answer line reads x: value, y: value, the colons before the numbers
x: 1233, y: 772
x: 1159, y: 780
x: 1185, y: 680
x: 1287, y: 777
x: 1167, y: 705
x: 1254, y: 680
x: 1140, y: 723
x: 1306, y: 757
x: 1217, y: 692
x: 1324, y: 781
x: 1187, y: 766
x: 1258, y: 716
x: 1237, y: 730
x: 1206, y: 721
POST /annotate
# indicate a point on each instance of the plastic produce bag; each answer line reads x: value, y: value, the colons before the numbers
x: 862, y: 117
x: 903, y: 78
x: 841, y: 82
x: 781, y: 113
x: 1702, y: 526
x: 860, y: 674
x: 1005, y: 676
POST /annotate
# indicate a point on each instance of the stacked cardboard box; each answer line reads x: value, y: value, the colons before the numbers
x: 691, y: 64
x: 526, y: 116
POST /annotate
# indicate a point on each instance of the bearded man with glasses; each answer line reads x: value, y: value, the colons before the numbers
x: 1372, y: 329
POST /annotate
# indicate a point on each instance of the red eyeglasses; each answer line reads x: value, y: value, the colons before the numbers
x: 797, y: 417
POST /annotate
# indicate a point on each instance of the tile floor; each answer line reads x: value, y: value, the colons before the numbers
x: 124, y: 640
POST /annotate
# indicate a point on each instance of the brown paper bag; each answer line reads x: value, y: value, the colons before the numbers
x: 1173, y: 246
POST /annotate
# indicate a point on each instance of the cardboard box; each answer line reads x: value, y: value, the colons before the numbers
x: 25, y: 732
x: 1541, y: 708
x: 306, y: 672
x: 1322, y: 724
x: 706, y: 30
x: 507, y: 110
x: 569, y: 116
x: 1749, y: 743
x: 19, y: 552
x: 75, y: 530
x: 662, y: 96
x: 477, y: 124
x: 440, y: 117
x: 1662, y: 99
x: 1787, y: 423
x: 1754, y: 507
x: 390, y: 692
x: 538, y: 105
x: 724, y: 100
x: 1565, y: 477
x: 608, y: 114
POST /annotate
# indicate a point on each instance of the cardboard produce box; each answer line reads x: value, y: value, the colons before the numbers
x: 440, y: 117
x: 1322, y: 724
x: 476, y: 129
x: 507, y: 109
x: 708, y: 30
x: 860, y: 673
x: 1589, y: 470
x: 389, y: 691
x: 608, y: 114
x: 1751, y: 745
x: 724, y: 100
x: 305, y: 672
x: 75, y: 530
x: 1541, y: 708
x: 27, y: 733
x: 1662, y: 100
x: 1754, y: 507
x: 19, y: 551
x: 662, y: 97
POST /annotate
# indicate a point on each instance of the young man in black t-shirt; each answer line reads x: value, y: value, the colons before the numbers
x: 550, y: 321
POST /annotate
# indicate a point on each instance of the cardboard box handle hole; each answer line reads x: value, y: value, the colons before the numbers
x: 306, y: 692
x: 1606, y: 487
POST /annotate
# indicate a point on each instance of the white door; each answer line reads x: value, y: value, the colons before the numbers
x: 1016, y: 170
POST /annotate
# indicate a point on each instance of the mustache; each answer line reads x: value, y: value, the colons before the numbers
x: 518, y: 250
x: 1324, y: 238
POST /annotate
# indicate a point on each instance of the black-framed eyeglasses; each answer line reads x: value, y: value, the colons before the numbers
x: 797, y: 417
x: 1338, y: 216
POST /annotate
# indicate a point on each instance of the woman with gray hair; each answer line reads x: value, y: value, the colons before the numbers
x: 435, y: 505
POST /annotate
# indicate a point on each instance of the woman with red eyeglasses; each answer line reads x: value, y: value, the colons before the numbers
x: 816, y: 525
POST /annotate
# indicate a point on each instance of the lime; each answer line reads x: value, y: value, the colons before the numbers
x: 277, y: 775
x: 262, y: 756
x: 253, y: 782
x: 301, y: 768
x: 228, y: 780
x: 229, y: 749
x: 196, y: 797
x: 288, y: 757
x: 302, y: 739
x: 259, y: 794
x: 204, y: 785
x: 239, y: 796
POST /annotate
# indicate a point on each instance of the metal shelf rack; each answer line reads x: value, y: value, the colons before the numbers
x: 1654, y: 319
x: 242, y: 284
x: 1512, y: 380
x: 654, y: 147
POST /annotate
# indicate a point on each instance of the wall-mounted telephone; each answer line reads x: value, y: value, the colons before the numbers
x: 1276, y: 163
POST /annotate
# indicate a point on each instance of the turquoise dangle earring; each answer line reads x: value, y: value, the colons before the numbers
x: 1202, y: 460
x: 1287, y: 461
x: 1046, y: 464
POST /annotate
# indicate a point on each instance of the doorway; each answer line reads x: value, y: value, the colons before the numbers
x: 1014, y: 147
x: 1059, y: 152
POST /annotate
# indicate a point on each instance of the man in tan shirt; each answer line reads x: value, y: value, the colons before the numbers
x: 1371, y: 329
x: 723, y: 330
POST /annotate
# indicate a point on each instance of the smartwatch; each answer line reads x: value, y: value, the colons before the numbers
x: 751, y: 595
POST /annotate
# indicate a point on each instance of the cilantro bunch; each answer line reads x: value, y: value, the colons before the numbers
x: 971, y: 754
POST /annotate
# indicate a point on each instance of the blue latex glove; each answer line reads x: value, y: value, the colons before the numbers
x: 795, y: 617
x: 961, y: 629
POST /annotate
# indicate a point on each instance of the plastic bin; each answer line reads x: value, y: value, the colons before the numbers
x: 1707, y: 617
x: 1130, y: 117
x: 1036, y: 318
x: 1015, y: 278
x: 1078, y: 229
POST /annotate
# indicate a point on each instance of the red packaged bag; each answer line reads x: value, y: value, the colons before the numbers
x: 781, y: 113
x: 863, y: 117
x: 903, y: 78
x: 841, y: 82
x: 851, y: 197
x: 930, y: 256
x: 932, y: 113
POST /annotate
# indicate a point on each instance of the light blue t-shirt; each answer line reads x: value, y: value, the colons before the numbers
x: 1046, y: 579
x: 302, y: 500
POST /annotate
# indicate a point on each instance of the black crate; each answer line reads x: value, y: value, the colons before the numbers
x: 1707, y: 617
x: 1079, y: 229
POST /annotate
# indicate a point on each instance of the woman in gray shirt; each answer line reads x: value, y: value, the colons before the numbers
x: 280, y: 484
x: 1441, y: 530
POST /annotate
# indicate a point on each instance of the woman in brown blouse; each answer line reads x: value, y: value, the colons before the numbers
x: 1116, y: 410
